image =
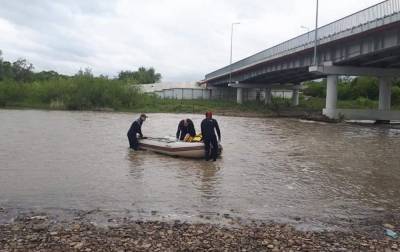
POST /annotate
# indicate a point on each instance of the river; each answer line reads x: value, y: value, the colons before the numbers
x: 314, y: 175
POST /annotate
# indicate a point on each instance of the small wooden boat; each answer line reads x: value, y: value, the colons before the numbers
x: 171, y: 147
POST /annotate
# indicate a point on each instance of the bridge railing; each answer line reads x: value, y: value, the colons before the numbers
x: 349, y: 23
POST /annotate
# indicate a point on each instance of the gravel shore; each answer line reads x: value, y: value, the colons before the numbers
x: 42, y: 233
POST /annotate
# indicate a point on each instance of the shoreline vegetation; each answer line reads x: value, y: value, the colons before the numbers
x: 88, y: 93
x: 21, y: 87
x: 310, y: 108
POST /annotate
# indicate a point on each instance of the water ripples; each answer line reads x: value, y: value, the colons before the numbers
x: 271, y: 169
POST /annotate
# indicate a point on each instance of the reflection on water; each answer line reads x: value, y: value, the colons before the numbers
x: 271, y: 169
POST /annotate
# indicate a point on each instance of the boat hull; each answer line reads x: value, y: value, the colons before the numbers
x: 173, y: 148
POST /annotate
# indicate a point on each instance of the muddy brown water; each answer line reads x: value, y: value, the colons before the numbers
x: 285, y: 170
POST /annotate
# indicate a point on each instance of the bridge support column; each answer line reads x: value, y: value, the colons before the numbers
x: 268, y: 96
x: 295, y: 97
x: 239, y: 95
x: 331, y: 96
x: 385, y: 93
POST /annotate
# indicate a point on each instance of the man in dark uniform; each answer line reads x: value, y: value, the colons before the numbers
x: 185, y: 127
x: 208, y: 128
x: 136, y: 128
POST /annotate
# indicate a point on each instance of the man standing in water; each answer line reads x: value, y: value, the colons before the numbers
x: 208, y: 128
x: 136, y: 128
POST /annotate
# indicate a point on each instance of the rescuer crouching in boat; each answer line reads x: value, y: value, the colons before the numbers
x: 208, y: 128
x: 186, y: 131
x: 134, y: 130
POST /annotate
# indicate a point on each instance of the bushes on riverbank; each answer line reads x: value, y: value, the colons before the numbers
x: 77, y: 93
x: 96, y: 93
x: 21, y: 86
x: 362, y: 92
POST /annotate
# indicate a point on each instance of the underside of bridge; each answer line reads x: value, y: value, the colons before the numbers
x: 373, y: 52
x: 379, y: 48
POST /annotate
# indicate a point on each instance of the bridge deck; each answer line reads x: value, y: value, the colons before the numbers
x: 375, y: 18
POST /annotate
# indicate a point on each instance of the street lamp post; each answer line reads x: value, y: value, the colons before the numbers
x: 316, y: 35
x: 230, y: 61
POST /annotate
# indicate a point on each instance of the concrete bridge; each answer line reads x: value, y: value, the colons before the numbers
x: 366, y: 43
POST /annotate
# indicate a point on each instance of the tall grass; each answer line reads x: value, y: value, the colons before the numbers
x: 316, y: 103
x: 76, y: 93
x: 353, y: 89
x: 88, y: 93
x: 92, y: 93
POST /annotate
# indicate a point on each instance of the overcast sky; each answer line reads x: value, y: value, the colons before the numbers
x: 181, y: 39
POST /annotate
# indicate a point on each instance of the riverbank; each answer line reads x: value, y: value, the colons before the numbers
x: 84, y: 92
x: 308, y: 109
x: 44, y: 233
x: 218, y: 107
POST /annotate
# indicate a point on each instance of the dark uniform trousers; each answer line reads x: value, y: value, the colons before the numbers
x: 211, y: 143
x: 133, y: 141
x: 136, y: 128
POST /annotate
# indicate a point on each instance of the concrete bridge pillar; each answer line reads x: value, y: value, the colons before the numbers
x: 239, y: 95
x: 331, y: 96
x: 385, y: 93
x: 295, y: 97
x: 268, y: 96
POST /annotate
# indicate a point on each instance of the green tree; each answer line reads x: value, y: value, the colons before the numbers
x: 315, y: 89
x: 142, y: 76
x: 84, y: 73
x: 126, y: 75
x: 23, y: 70
x: 146, y: 76
x: 46, y: 75
x: 7, y: 71
x: 366, y: 87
